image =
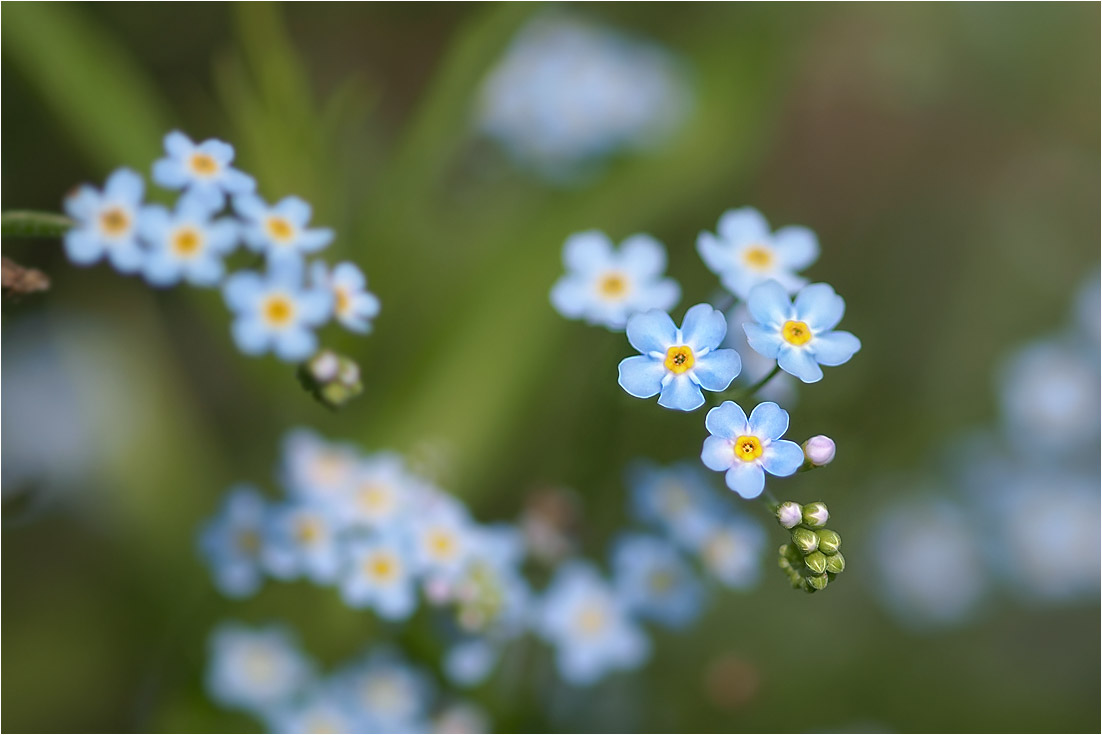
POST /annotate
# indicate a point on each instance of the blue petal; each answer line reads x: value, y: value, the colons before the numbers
x: 349, y: 276
x: 295, y: 209
x: 127, y: 257
x: 782, y: 458
x: 766, y: 341
x: 681, y: 394
x: 703, y: 327
x: 746, y: 478
x: 743, y: 225
x: 286, y: 271
x: 242, y: 290
x: 768, y: 421
x: 661, y: 294
x: 715, y: 254
x: 169, y: 173
x: 717, y: 369
x: 205, y: 271
x: 251, y: 336
x: 218, y: 150
x: 641, y: 376
x: 819, y: 307
x: 83, y: 204
x: 726, y: 420
x: 236, y: 182
x: 796, y: 247
x: 315, y: 306
x: 124, y: 185
x: 800, y: 362
x: 587, y: 252
x: 313, y: 240
x: 178, y: 145
x: 769, y: 305
x: 83, y: 247
x: 250, y: 206
x: 834, y: 348
x: 570, y: 296
x: 651, y: 331
x: 295, y: 344
x: 162, y: 269
x: 208, y: 195
x: 223, y: 236
x: 643, y: 256
x: 740, y: 281
x: 717, y: 453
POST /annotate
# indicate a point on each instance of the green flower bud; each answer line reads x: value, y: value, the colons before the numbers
x: 829, y: 541
x: 806, y: 541
x: 816, y: 515
x: 817, y: 581
x: 790, y: 514
x: 836, y: 564
x: 816, y: 562
x: 792, y: 554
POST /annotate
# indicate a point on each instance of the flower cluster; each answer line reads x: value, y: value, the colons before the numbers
x: 814, y: 557
x: 277, y: 310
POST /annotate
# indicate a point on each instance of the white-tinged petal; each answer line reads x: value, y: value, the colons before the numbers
x: 703, y: 328
x: 717, y: 454
x: 768, y: 421
x: 651, y: 331
x: 769, y: 304
x: 681, y: 394
x: 799, y: 362
x: 715, y: 370
x: 727, y: 421
x: 834, y: 348
x: 796, y: 247
x: 746, y: 478
x: 641, y: 376
x: 819, y: 307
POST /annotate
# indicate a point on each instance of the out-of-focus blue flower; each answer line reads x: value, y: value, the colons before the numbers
x: 232, y: 542
x: 280, y: 231
x: 320, y: 711
x: 745, y: 252
x: 587, y: 624
x: 106, y: 223
x: 255, y: 669
x: 568, y: 93
x: 780, y: 389
x: 378, y: 573
x: 800, y: 336
x: 605, y: 286
x: 317, y: 471
x: 186, y: 244
x: 440, y: 539
x: 655, y: 582
x: 461, y: 717
x: 353, y: 305
x: 276, y: 312
x: 677, y: 499
x: 731, y: 549
x: 748, y: 448
x: 302, y: 541
x: 387, y: 694
x: 202, y: 169
x: 469, y: 662
x: 676, y: 364
x: 378, y: 492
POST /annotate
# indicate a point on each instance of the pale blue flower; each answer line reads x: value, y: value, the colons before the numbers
x: 731, y: 549
x: 317, y: 471
x: 745, y: 252
x: 378, y: 573
x: 386, y: 694
x: 799, y: 335
x: 302, y: 541
x: 585, y: 621
x: 378, y: 493
x: 470, y: 662
x: 605, y: 286
x: 276, y: 312
x: 782, y: 388
x: 461, y: 717
x: 255, y: 669
x: 232, y: 542
x: 748, y: 448
x: 677, y: 499
x: 441, y: 539
x: 676, y: 364
x: 186, y: 244
x: 202, y: 169
x: 322, y: 710
x: 106, y: 223
x: 280, y: 231
x: 655, y: 582
x: 353, y: 305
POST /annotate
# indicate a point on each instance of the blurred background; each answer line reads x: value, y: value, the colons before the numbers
x: 946, y: 155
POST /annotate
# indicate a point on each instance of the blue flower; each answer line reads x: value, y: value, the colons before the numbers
x: 106, y: 223
x: 655, y: 582
x: 677, y: 499
x: 279, y: 231
x: 203, y: 170
x: 275, y: 311
x: 379, y: 574
x: 353, y: 305
x: 186, y: 244
x: 604, y: 286
x: 378, y: 494
x: 748, y: 448
x: 315, y: 470
x: 386, y: 694
x: 442, y: 539
x: 731, y: 549
x: 746, y: 253
x: 678, y: 362
x: 800, y: 336
x: 321, y: 710
x: 302, y: 540
x: 471, y: 661
x: 587, y: 623
x: 255, y: 669
x: 782, y: 389
x: 232, y: 542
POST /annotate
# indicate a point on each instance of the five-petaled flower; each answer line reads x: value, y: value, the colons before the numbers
x: 186, y: 244
x: 202, y: 169
x: 800, y: 336
x: 106, y: 223
x: 280, y: 231
x: 677, y: 363
x: 748, y: 448
x: 353, y: 305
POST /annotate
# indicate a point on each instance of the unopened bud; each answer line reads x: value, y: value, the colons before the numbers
x: 829, y: 541
x: 816, y: 515
x: 790, y: 514
x: 836, y: 564
x: 816, y: 561
x: 806, y: 541
x: 324, y: 366
x: 819, y: 450
x: 350, y: 373
x: 817, y: 582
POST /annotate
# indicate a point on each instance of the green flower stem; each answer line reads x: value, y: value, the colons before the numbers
x: 749, y: 392
x: 770, y: 501
x: 34, y: 224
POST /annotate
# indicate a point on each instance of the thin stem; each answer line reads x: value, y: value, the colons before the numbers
x: 749, y: 392
x: 770, y: 501
x: 34, y: 224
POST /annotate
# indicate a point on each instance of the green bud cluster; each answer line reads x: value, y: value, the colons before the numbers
x: 331, y: 378
x: 813, y: 558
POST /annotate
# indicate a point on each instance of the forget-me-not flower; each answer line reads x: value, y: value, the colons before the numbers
x: 605, y: 286
x: 280, y: 231
x: 353, y: 305
x: 677, y: 499
x: 677, y: 363
x: 654, y: 581
x: 315, y: 470
x: 302, y: 540
x: 202, y: 169
x: 255, y: 669
x: 747, y: 448
x: 106, y: 222
x: 232, y: 542
x: 387, y: 694
x: 186, y: 244
x: 780, y: 389
x: 320, y: 711
x: 378, y: 493
x: 378, y: 573
x: 275, y: 311
x: 745, y: 252
x: 799, y: 335
x: 731, y: 549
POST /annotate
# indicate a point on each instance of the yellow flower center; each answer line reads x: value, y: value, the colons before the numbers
x: 115, y: 221
x: 661, y: 582
x: 747, y: 448
x: 758, y: 256
x: 344, y: 301
x: 381, y: 567
x: 613, y: 286
x: 590, y: 620
x: 679, y: 358
x: 278, y: 311
x: 186, y: 242
x: 442, y: 544
x: 280, y: 229
x: 203, y: 164
x: 796, y: 333
x: 372, y: 497
x: 307, y: 531
x: 248, y: 542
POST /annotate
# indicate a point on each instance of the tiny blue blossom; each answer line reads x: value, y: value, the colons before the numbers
x: 745, y: 252
x: 378, y: 573
x: 321, y: 711
x: 202, y: 169
x: 469, y: 662
x: 302, y: 541
x: 677, y: 499
x: 747, y: 448
x: 276, y: 312
x: 378, y: 493
x: 676, y: 364
x: 353, y: 305
x: 186, y: 244
x: 317, y: 471
x: 605, y: 286
x: 799, y: 335
x: 655, y: 582
x: 781, y: 389
x: 731, y: 549
x: 256, y: 669
x: 386, y: 694
x: 279, y: 231
x: 232, y: 542
x: 441, y: 538
x: 106, y: 223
